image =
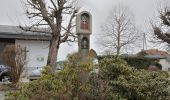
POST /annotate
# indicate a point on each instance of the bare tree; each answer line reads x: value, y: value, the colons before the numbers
x: 119, y: 31
x: 14, y: 57
x: 51, y: 14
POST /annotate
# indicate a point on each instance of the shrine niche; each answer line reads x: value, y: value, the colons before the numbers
x: 84, y: 23
x: 85, y: 43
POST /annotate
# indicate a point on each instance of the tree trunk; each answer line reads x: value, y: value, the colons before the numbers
x: 54, y: 44
x: 53, y: 52
x: 118, y: 43
x: 118, y: 51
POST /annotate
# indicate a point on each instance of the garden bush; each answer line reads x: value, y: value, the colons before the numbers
x: 114, y: 81
x: 14, y: 58
x: 67, y: 84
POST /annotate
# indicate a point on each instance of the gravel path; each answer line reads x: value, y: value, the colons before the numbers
x: 2, y: 95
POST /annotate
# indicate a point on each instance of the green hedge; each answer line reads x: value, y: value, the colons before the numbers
x: 138, y: 62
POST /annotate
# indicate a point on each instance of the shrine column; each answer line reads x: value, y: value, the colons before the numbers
x: 84, y: 30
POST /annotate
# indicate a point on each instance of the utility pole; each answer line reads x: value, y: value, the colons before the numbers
x: 144, y: 42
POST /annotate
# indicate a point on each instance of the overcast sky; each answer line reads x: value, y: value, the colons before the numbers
x: 12, y: 13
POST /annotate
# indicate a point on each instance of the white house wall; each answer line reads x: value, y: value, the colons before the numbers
x: 165, y: 64
x: 37, y: 52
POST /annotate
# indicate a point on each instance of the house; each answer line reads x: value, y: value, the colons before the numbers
x: 163, y: 56
x: 35, y: 45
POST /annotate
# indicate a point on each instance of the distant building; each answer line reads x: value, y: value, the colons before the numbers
x: 156, y: 52
x: 163, y: 56
x: 35, y: 45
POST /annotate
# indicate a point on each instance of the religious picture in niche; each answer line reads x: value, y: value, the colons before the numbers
x: 84, y: 22
x: 84, y: 43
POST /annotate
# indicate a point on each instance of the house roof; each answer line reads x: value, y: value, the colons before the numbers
x: 14, y: 32
x: 156, y: 52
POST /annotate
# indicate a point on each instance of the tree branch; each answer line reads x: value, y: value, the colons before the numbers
x: 67, y: 33
x: 161, y: 35
x: 44, y: 13
x: 54, y: 4
x: 164, y: 16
